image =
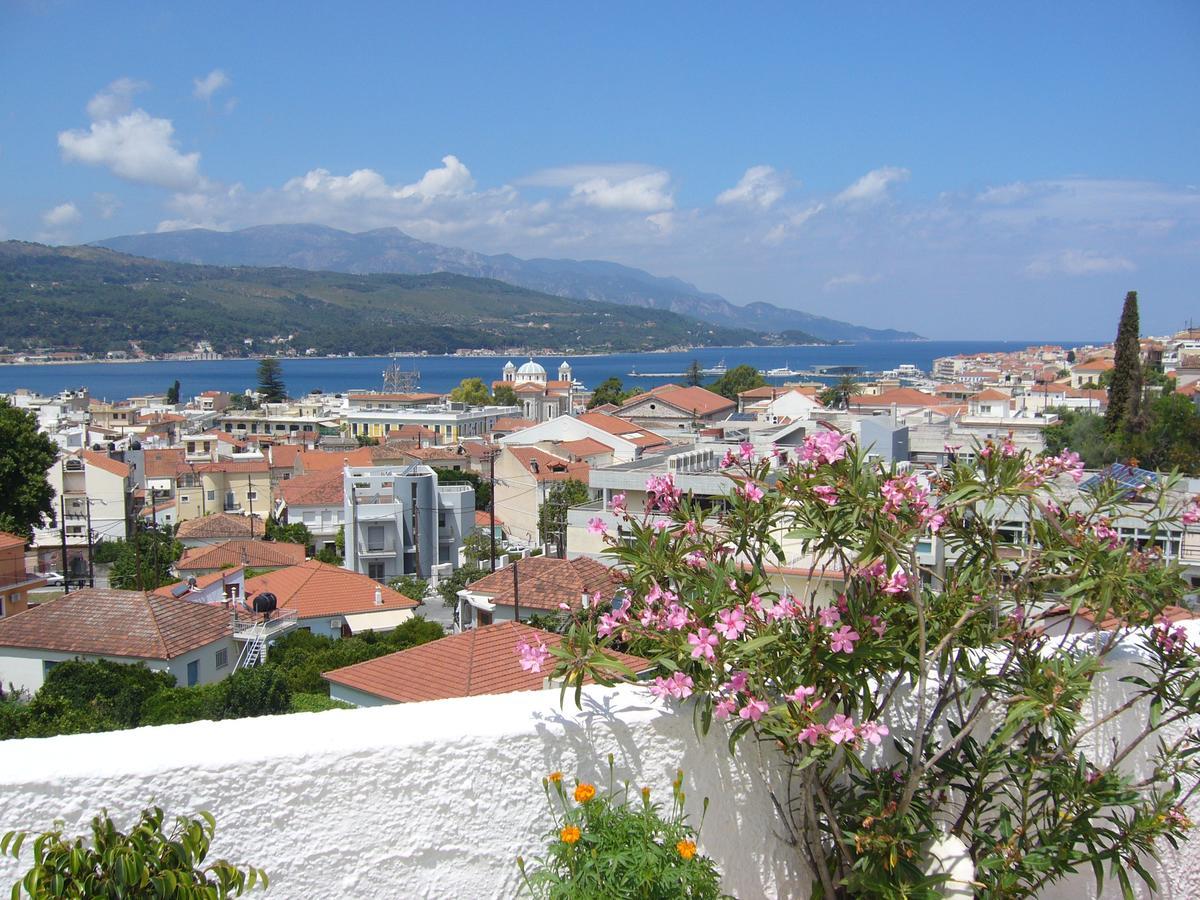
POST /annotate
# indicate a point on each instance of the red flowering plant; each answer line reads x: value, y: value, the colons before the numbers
x: 923, y: 678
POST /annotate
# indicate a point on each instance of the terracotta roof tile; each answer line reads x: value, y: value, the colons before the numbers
x: 162, y: 463
x: 687, y: 399
x: 899, y: 396
x: 314, y: 588
x: 512, y: 423
x: 202, y: 581
x: 258, y: 554
x: 284, y: 456
x: 545, y: 466
x: 323, y: 488
x: 546, y: 582
x: 105, y: 462
x: 220, y: 525
x: 585, y: 447
x: 636, y: 435
x: 479, y: 661
x: 8, y: 541
x: 324, y: 460
x: 100, y: 621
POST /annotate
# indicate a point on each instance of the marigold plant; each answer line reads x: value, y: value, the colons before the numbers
x: 921, y: 675
x: 604, y: 846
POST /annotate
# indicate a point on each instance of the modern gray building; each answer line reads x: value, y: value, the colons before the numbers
x: 400, y: 521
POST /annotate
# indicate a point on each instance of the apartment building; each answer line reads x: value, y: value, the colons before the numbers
x: 227, y: 486
x: 93, y: 497
x: 449, y: 422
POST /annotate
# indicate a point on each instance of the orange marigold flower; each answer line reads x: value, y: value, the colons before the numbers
x: 555, y: 777
x: 569, y: 835
x: 584, y: 792
x: 687, y: 849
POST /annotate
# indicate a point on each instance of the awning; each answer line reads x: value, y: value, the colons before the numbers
x: 383, y: 620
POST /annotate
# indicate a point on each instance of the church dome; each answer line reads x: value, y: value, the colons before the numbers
x: 531, y: 368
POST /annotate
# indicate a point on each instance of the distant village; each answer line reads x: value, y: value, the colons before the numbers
x: 384, y: 483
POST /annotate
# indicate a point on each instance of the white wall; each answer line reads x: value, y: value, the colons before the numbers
x: 426, y: 799
x: 24, y: 668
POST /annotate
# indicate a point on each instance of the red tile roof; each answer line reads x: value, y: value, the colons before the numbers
x: 545, y: 583
x: 512, y: 423
x: 105, y: 462
x: 324, y: 488
x: 545, y: 466
x: 479, y: 661
x: 202, y: 581
x: 992, y: 394
x: 584, y: 448
x: 284, y: 456
x: 636, y: 435
x: 1098, y: 364
x: 104, y: 622
x: 315, y: 588
x: 483, y: 519
x: 900, y: 396
x: 220, y: 525
x: 8, y: 541
x: 258, y: 554
x: 324, y: 460
x: 162, y: 463
x: 698, y: 400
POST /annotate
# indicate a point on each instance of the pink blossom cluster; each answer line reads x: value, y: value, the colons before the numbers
x: 611, y: 621
x: 733, y: 697
x: 900, y: 491
x: 1169, y: 637
x: 617, y: 504
x: 533, y: 656
x: 841, y: 730
x: 895, y: 583
x: 597, y: 525
x: 677, y: 685
x: 750, y: 491
x: 826, y: 494
x: 1191, y: 513
x: 661, y: 493
x: 825, y: 447
x: 663, y: 612
x: 1106, y: 534
x: 1043, y: 468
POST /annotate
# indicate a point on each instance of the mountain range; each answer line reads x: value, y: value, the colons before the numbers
x: 98, y: 300
x: 389, y: 250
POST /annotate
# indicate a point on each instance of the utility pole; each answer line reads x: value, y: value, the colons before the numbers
x: 250, y: 501
x: 91, y: 549
x: 62, y: 524
x: 492, y: 502
x: 516, y: 594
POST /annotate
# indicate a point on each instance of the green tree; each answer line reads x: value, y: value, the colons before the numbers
x: 838, y: 394
x: 290, y: 533
x: 610, y: 390
x: 366, y: 440
x: 270, y: 380
x: 1083, y: 432
x: 738, y: 379
x: 412, y: 586
x: 1172, y: 436
x: 255, y: 691
x: 109, y: 691
x: 26, y: 498
x: 694, y: 373
x: 477, y: 548
x: 173, y: 393
x: 472, y: 392
x: 1125, y: 392
x: 459, y: 579
x: 552, y: 514
x: 504, y: 396
x: 143, y: 563
x: 147, y: 862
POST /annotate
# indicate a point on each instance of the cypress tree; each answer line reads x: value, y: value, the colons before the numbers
x: 270, y: 380
x: 1125, y: 390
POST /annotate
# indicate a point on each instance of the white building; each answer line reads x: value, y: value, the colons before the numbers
x: 91, y: 491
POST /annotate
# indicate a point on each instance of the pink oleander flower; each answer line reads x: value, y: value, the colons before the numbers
x: 696, y: 560
x: 746, y: 451
x: 751, y: 492
x: 703, y: 641
x: 841, y: 729
x: 661, y: 525
x: 1008, y: 448
x: 617, y: 503
x: 776, y: 452
x: 677, y: 685
x: 875, y: 571
x: 533, y: 656
x: 690, y: 528
x: 755, y: 603
x: 812, y: 733
x: 951, y: 448
x: 878, y: 626
x: 1106, y: 534
x: 1170, y: 638
x: 728, y: 460
x: 826, y: 494
x: 676, y: 617
x: 732, y: 623
x: 596, y: 526
x: 829, y: 616
x: 800, y: 694
x: 783, y: 608
x: 724, y: 708
x: 873, y: 732
x: 932, y: 519
x: 754, y: 709
x: 737, y: 683
x: 825, y: 447
x: 661, y: 493
x: 609, y: 622
x: 897, y: 584
x: 842, y: 640
x: 1191, y: 515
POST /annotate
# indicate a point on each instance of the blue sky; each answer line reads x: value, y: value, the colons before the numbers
x: 961, y: 171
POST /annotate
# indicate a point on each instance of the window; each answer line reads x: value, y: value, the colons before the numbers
x: 48, y: 664
x: 251, y: 495
x: 222, y: 658
x: 191, y: 446
x: 374, y: 538
x: 183, y: 498
x: 310, y: 517
x: 211, y: 495
x: 375, y: 570
x: 484, y: 617
x: 193, y: 673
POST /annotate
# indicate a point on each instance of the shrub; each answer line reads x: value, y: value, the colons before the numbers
x: 177, y: 705
x: 112, y: 692
x: 995, y: 740
x: 146, y: 862
x: 601, y: 846
x: 256, y: 691
x: 316, y: 703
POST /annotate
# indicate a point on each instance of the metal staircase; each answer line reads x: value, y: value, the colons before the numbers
x: 254, y: 632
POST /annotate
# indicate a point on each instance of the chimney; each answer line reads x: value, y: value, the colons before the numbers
x: 378, y: 596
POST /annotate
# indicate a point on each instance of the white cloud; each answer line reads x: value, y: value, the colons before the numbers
x: 569, y: 176
x: 451, y: 179
x: 873, y: 186
x: 793, y: 221
x: 114, y: 100
x: 204, y: 88
x: 106, y: 205
x: 850, y: 279
x: 1005, y: 193
x: 62, y: 216
x: 642, y: 193
x: 131, y: 143
x: 1078, y: 262
x: 760, y: 186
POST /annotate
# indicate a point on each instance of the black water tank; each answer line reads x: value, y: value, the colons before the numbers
x: 265, y: 602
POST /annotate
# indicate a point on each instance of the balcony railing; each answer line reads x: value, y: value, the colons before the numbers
x: 248, y: 626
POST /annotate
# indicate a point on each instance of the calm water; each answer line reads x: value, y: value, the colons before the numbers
x: 440, y: 373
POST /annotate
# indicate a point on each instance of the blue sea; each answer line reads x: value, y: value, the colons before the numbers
x: 116, y: 381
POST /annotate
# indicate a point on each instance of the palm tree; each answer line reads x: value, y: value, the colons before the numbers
x: 838, y: 394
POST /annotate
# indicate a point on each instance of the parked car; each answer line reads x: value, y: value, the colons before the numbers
x: 53, y: 579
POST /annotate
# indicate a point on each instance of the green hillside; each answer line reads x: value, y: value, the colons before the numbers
x: 99, y: 300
